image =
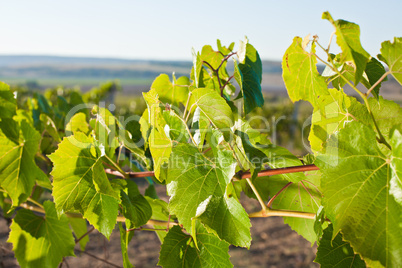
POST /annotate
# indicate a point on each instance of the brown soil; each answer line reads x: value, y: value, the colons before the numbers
x: 274, y: 245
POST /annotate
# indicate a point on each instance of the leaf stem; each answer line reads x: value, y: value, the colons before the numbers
x: 185, y: 108
x: 99, y: 259
x: 262, y: 203
x: 115, y: 166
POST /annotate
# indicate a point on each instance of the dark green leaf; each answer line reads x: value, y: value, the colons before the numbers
x: 41, y: 241
x: 335, y: 252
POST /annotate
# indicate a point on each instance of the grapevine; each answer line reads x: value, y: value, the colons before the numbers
x: 66, y: 161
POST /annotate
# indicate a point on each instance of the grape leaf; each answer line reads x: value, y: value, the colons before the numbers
x: 178, y: 250
x: 19, y: 143
x: 161, y: 147
x: 332, y: 113
x: 226, y: 218
x: 41, y: 241
x: 135, y: 207
x: 348, y: 38
x: 175, y: 128
x: 248, y: 75
x: 80, y: 182
x: 396, y: 164
x: 336, y: 252
x: 8, y: 104
x: 77, y: 123
x: 300, y: 74
x: 391, y: 54
x: 193, y: 179
x: 160, y: 211
x: 79, y: 227
x: 355, y: 184
x: 172, y: 93
x: 200, y: 127
x: 214, y: 107
x: 374, y: 71
x: 125, y: 238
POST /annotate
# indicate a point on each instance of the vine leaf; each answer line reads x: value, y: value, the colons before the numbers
x: 19, y: 143
x: 336, y: 252
x: 332, y: 113
x: 300, y: 73
x: 391, y: 54
x: 248, y: 74
x: 200, y: 127
x: 125, y: 238
x: 135, y: 207
x: 41, y: 241
x: 77, y: 123
x: 178, y: 250
x: 173, y: 93
x: 80, y: 183
x: 356, y: 185
x: 304, y: 195
x: 79, y: 227
x: 374, y: 71
x: 194, y: 179
x: 396, y: 164
x: 8, y: 104
x: 348, y: 39
x: 226, y: 218
x: 214, y: 107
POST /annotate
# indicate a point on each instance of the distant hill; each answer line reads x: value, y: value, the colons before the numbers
x: 87, y: 71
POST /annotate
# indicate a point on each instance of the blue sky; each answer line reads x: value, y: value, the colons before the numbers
x: 169, y: 29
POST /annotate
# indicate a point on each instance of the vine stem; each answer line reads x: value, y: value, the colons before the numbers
x: 84, y: 235
x: 243, y: 175
x: 99, y: 259
x: 282, y: 213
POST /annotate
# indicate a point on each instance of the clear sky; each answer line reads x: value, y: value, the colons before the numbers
x: 167, y: 30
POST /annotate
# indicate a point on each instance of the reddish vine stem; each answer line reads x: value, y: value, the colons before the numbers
x: 99, y: 259
x: 269, y: 204
x: 243, y: 175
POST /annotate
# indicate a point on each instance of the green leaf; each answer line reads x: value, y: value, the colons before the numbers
x: 125, y: 238
x: 175, y: 128
x: 396, y: 164
x: 161, y: 147
x: 374, y: 71
x: 197, y: 68
x: 79, y: 227
x: 300, y: 74
x: 193, y: 180
x: 348, y: 38
x: 160, y: 212
x: 214, y: 107
x: 80, y: 183
x: 19, y: 143
x: 200, y: 127
x: 178, y: 250
x: 135, y: 207
x: 248, y: 75
x: 77, y: 123
x: 332, y: 113
x: 226, y: 218
x: 41, y: 241
x: 172, y: 93
x: 386, y: 113
x: 391, y: 55
x: 336, y: 252
x: 356, y: 184
x: 300, y: 196
x: 8, y: 104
